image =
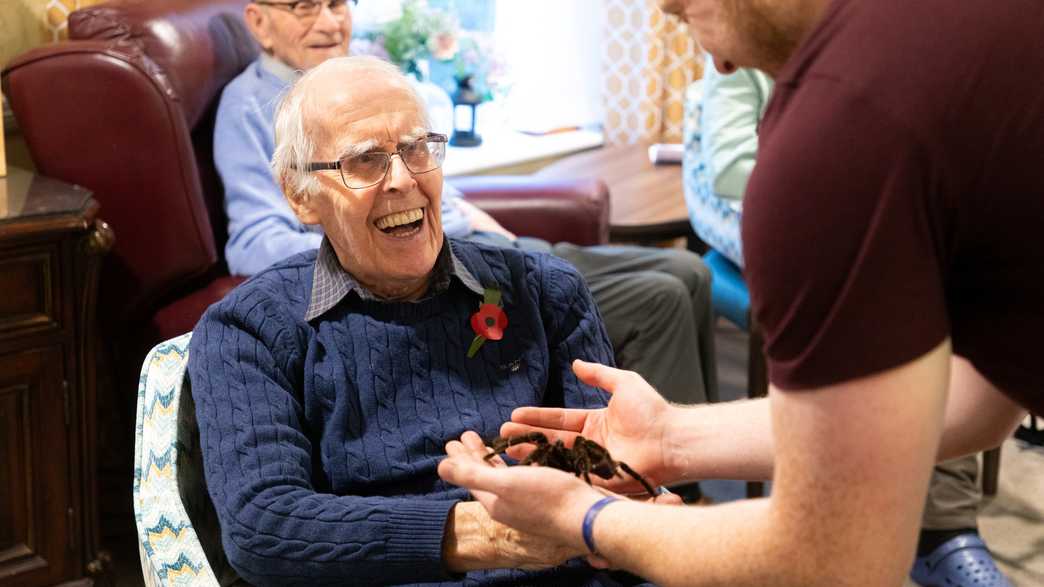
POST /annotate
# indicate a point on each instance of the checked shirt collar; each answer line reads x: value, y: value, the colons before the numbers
x: 331, y: 283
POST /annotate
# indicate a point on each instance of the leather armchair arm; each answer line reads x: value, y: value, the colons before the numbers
x: 103, y: 115
x: 556, y: 210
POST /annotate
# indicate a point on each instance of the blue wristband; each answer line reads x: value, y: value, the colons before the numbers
x: 589, y: 518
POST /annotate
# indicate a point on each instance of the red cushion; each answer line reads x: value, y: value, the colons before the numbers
x: 556, y: 210
x: 181, y: 316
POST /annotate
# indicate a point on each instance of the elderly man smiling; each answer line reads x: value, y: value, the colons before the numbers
x: 655, y: 302
x: 327, y: 385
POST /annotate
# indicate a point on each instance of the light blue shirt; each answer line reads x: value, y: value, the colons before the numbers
x: 262, y: 228
x: 731, y: 109
x: 721, y: 146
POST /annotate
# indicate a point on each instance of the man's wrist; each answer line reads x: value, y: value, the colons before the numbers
x: 674, y: 457
x: 587, y: 529
x: 470, y: 540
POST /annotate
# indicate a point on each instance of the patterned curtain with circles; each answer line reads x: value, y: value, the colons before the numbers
x: 650, y: 59
x: 27, y: 23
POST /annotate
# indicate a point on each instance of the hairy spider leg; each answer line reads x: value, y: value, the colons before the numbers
x: 627, y: 469
x: 501, y: 444
x: 538, y: 456
x: 579, y: 460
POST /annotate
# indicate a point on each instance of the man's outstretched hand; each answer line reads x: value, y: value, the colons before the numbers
x: 631, y: 428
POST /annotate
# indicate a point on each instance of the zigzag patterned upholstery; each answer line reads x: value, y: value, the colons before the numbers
x: 168, y: 480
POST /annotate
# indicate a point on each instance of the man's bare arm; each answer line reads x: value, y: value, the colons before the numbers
x: 734, y: 441
x: 852, y: 467
x: 978, y: 415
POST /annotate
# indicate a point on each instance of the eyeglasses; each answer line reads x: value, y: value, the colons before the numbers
x: 369, y: 169
x: 306, y: 9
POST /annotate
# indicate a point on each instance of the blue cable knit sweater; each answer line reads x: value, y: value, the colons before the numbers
x: 321, y: 439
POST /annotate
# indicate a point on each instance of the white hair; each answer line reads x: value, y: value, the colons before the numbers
x: 294, y: 148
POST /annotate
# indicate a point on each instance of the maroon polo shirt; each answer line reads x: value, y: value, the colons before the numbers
x: 899, y: 194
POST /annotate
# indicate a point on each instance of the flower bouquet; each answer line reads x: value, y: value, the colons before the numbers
x: 419, y: 34
x: 478, y: 61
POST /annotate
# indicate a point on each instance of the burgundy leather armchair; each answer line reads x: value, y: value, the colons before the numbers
x: 126, y: 108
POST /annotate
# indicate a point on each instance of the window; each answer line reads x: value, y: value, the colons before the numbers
x: 554, y: 50
x: 473, y: 15
x: 551, y: 52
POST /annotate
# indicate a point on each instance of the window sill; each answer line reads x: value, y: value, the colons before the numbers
x: 505, y: 150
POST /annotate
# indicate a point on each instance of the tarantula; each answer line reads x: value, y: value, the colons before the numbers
x: 586, y: 457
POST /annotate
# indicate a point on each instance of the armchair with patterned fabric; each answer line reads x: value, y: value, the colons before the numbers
x: 169, y: 493
x: 179, y: 540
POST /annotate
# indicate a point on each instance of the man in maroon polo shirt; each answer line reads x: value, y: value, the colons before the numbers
x: 890, y: 233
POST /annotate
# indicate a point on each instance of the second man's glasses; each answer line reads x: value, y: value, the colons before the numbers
x: 307, y: 9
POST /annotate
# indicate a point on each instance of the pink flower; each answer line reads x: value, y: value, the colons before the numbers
x: 443, y: 46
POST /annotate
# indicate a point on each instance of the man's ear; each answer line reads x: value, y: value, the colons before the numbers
x: 302, y: 205
x: 257, y: 21
x: 304, y: 210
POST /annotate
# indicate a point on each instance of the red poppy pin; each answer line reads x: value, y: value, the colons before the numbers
x: 489, y: 322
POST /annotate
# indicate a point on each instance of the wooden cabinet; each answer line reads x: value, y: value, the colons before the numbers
x: 51, y: 244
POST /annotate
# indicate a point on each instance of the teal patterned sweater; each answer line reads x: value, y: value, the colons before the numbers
x: 321, y: 439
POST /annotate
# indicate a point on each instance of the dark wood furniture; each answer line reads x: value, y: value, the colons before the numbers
x: 51, y: 242
x: 646, y: 201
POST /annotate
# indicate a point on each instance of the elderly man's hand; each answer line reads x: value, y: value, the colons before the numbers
x: 476, y: 541
x: 479, y: 542
x: 522, y: 550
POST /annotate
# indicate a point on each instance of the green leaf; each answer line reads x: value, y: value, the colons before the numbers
x: 491, y: 295
x: 476, y: 344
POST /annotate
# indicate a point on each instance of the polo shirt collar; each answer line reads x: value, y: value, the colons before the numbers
x: 284, y: 72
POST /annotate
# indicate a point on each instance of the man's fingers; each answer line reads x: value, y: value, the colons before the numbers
x: 455, y: 447
x: 512, y: 429
x: 597, y: 562
x: 470, y: 446
x: 521, y: 451
x: 552, y: 418
x: 473, y: 441
x: 668, y: 499
x: 597, y: 375
x: 475, y: 476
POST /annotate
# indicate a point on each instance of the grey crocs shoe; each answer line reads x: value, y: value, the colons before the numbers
x: 963, y: 561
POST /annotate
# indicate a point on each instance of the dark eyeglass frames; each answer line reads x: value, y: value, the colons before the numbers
x: 306, y: 9
x: 369, y: 169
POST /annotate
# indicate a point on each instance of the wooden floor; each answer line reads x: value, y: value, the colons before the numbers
x: 1012, y: 523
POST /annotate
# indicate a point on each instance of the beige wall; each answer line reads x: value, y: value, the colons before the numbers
x: 27, y: 23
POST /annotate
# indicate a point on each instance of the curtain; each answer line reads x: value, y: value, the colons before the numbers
x: 649, y: 60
